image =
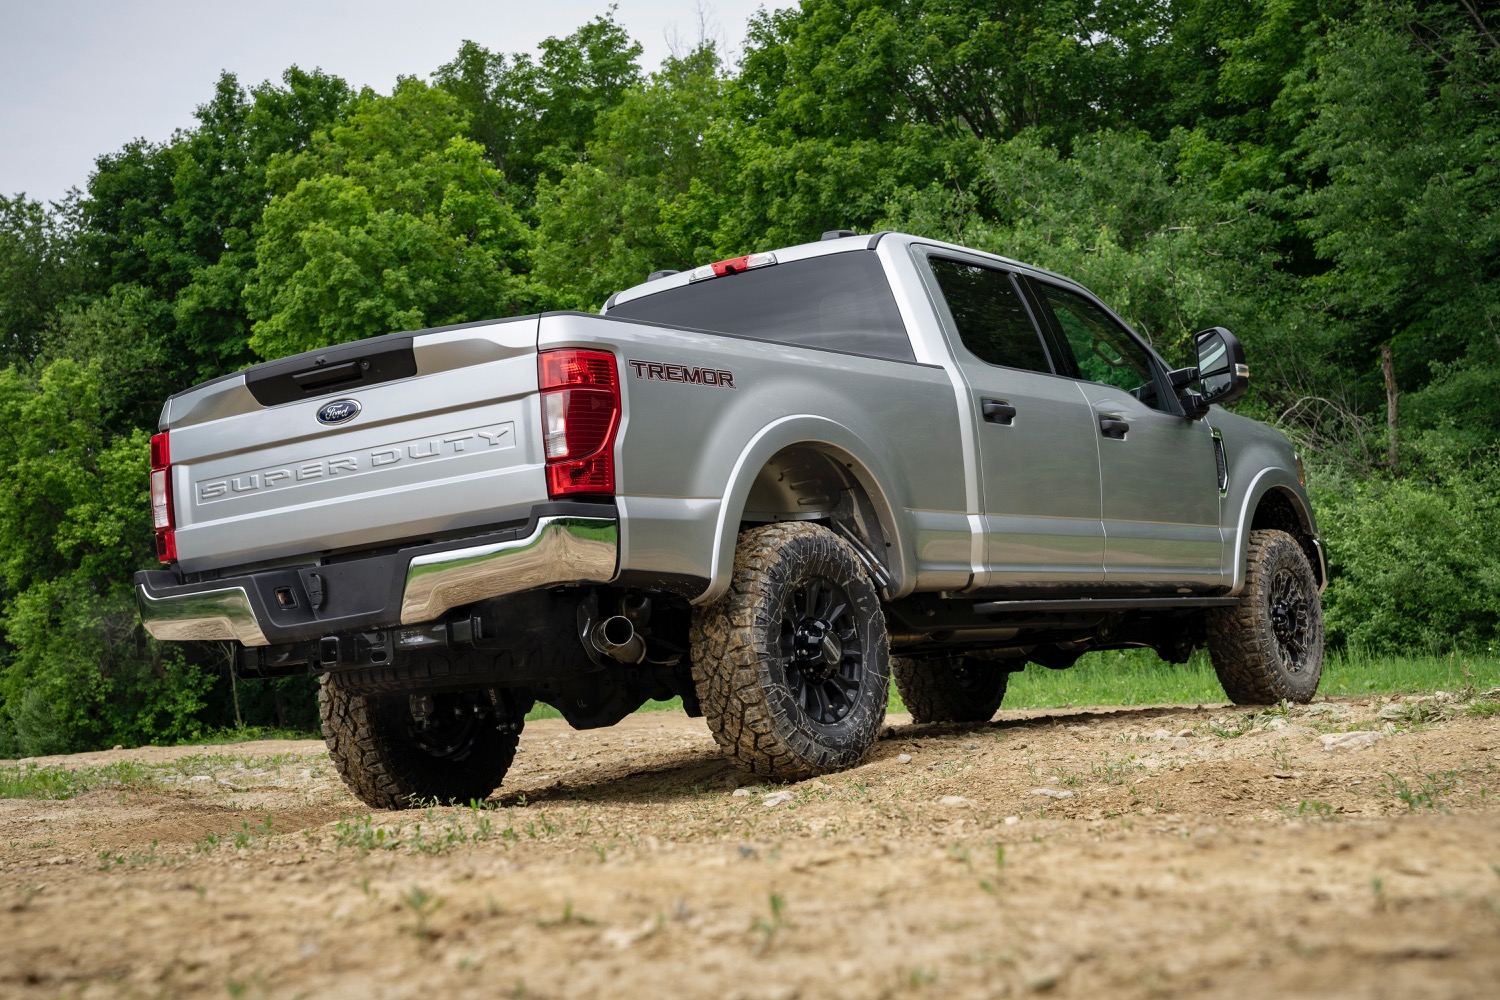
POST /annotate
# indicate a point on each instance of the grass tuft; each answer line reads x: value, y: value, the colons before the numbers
x: 30, y: 781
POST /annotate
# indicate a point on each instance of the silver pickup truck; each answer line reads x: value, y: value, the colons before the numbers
x: 765, y: 487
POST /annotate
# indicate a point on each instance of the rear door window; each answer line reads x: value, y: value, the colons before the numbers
x: 838, y: 302
x: 991, y: 318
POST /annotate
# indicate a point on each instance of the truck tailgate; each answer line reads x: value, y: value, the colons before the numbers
x: 454, y: 446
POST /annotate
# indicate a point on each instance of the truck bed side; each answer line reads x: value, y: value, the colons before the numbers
x: 706, y: 413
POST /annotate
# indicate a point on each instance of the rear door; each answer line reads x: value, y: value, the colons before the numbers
x: 1157, y: 468
x: 1038, y: 454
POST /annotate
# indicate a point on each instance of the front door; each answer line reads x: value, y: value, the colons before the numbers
x: 1157, y: 467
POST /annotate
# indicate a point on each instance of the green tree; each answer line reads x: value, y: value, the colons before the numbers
x: 391, y: 220
x: 219, y: 189
x: 863, y: 69
x: 177, y: 220
x: 118, y: 329
x: 645, y: 196
x: 535, y: 115
x: 39, y: 270
x: 1402, y: 128
x: 78, y: 671
x: 1118, y: 216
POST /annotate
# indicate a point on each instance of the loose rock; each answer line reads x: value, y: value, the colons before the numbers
x: 1352, y: 742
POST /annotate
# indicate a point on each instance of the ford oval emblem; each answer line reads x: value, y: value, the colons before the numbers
x: 338, y: 411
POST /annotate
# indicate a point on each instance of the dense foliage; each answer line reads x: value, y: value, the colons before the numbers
x: 1319, y: 175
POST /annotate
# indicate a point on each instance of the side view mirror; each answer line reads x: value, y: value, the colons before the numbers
x: 1223, y: 375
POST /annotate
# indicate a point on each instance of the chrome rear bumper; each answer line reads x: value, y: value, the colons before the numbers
x: 559, y: 550
x: 206, y: 614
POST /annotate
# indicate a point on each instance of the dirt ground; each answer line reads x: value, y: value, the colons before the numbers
x: 1168, y: 851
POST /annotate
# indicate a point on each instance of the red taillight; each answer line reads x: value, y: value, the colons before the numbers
x: 580, y: 413
x: 161, y: 499
x: 731, y: 266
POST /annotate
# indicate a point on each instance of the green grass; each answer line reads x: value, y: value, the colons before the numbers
x: 32, y: 781
x: 1357, y: 673
x: 1139, y: 677
x: 28, y: 781
x: 540, y: 711
x: 1117, y: 677
x: 247, y: 734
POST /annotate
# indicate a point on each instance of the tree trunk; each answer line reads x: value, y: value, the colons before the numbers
x: 234, y: 690
x: 1392, y: 417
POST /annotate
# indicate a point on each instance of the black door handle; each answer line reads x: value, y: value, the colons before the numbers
x: 1113, y: 427
x: 997, y: 411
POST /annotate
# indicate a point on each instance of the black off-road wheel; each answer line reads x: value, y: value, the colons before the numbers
x: 1269, y: 647
x: 791, y: 665
x: 391, y: 760
x: 951, y: 688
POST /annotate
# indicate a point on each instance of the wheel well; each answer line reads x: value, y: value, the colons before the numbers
x: 809, y: 482
x: 1279, y: 511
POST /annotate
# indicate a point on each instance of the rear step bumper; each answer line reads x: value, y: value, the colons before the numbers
x: 563, y: 543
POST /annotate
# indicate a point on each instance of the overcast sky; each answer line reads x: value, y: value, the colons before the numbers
x: 79, y: 78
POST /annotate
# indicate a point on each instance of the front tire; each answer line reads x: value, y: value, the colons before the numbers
x: 950, y: 689
x: 391, y: 761
x: 1269, y: 647
x: 791, y: 665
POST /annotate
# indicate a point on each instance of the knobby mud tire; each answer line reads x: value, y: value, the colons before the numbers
x: 950, y: 689
x: 766, y: 712
x: 1269, y: 647
x: 371, y: 740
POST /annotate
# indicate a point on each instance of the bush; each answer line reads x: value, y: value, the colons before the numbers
x: 78, y: 671
x: 1414, y: 562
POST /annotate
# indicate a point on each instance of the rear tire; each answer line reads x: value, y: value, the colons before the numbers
x: 791, y: 665
x: 390, y: 762
x: 950, y: 689
x: 1269, y: 647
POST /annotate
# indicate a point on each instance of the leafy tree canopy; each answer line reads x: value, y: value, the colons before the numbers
x: 392, y: 220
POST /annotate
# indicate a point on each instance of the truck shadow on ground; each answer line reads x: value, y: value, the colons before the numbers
x: 679, y: 773
x: 674, y: 774
x: 1127, y: 713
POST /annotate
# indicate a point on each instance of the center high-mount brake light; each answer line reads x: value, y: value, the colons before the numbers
x: 733, y: 265
x: 580, y: 414
x: 161, y: 499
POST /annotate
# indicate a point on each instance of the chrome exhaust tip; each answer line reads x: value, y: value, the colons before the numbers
x: 616, y: 637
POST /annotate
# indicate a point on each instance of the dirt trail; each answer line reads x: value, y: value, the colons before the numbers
x: 1178, y: 851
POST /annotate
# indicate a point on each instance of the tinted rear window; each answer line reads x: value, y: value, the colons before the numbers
x: 839, y: 302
